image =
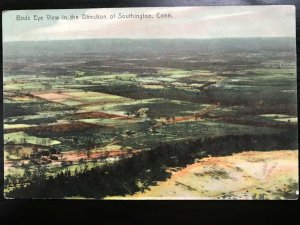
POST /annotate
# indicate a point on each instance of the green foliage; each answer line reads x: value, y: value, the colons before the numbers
x: 126, y: 176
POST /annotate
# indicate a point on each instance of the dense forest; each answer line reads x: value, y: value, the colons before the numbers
x: 135, y: 174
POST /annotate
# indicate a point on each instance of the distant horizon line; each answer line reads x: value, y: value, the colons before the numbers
x: 83, y: 39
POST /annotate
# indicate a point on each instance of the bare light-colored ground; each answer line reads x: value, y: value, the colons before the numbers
x: 247, y: 175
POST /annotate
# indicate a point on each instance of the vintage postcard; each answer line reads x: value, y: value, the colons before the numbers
x: 150, y: 103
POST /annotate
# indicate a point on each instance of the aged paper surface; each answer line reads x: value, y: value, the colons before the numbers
x: 150, y: 103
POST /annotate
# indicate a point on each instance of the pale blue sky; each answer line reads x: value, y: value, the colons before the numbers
x: 187, y: 22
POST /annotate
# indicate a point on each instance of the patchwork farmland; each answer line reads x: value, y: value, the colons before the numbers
x: 76, y: 116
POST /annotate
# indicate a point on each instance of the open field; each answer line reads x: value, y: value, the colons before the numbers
x: 247, y: 175
x: 75, y: 98
x: 21, y: 137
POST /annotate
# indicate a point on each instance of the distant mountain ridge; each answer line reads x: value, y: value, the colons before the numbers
x: 149, y: 46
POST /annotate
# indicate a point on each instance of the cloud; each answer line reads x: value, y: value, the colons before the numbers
x: 230, y: 15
